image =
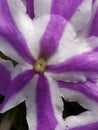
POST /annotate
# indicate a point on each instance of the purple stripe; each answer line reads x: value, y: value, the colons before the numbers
x: 30, y: 8
x: 65, y: 8
x: 50, y: 39
x: 87, y: 88
x: 94, y: 25
x: 85, y: 62
x: 10, y: 32
x: 93, y: 1
x: 5, y: 78
x: 91, y: 126
x: 17, y: 84
x: 45, y: 115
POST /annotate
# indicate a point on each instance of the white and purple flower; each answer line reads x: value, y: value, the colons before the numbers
x: 52, y: 62
x: 6, y: 69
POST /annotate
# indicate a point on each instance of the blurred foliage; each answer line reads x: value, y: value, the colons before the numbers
x: 17, y: 117
x: 7, y: 58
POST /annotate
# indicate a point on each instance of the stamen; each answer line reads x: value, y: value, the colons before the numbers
x: 40, y: 65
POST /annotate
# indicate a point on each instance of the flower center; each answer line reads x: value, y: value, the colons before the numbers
x: 40, y: 65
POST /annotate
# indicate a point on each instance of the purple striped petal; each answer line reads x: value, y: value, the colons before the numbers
x: 30, y: 8
x: 91, y: 126
x: 52, y: 35
x: 94, y: 25
x: 90, y: 29
x: 94, y: 1
x: 85, y: 62
x: 43, y: 101
x: 72, y: 76
x: 14, y: 94
x: 83, y: 12
x: 88, y: 88
x: 5, y: 75
x: 29, y: 4
x: 10, y: 32
x: 85, y: 94
x: 75, y: 11
x: 45, y: 114
x: 65, y: 8
x: 30, y: 102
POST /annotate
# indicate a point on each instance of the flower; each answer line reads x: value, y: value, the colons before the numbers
x: 82, y: 14
x: 74, y: 11
x: 52, y: 62
x: 6, y: 69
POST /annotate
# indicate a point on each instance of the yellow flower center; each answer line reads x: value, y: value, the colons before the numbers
x: 40, y: 65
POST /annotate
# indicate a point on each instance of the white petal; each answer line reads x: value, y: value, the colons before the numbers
x: 6, y: 70
x: 85, y: 30
x: 24, y: 1
x: 22, y: 20
x: 82, y: 15
x: 56, y: 99
x: 65, y: 44
x: 31, y: 30
x: 8, y: 64
x: 70, y: 46
x: 40, y: 26
x: 9, y: 51
x: 31, y: 104
x: 69, y: 76
x: 39, y: 9
x: 20, y: 68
